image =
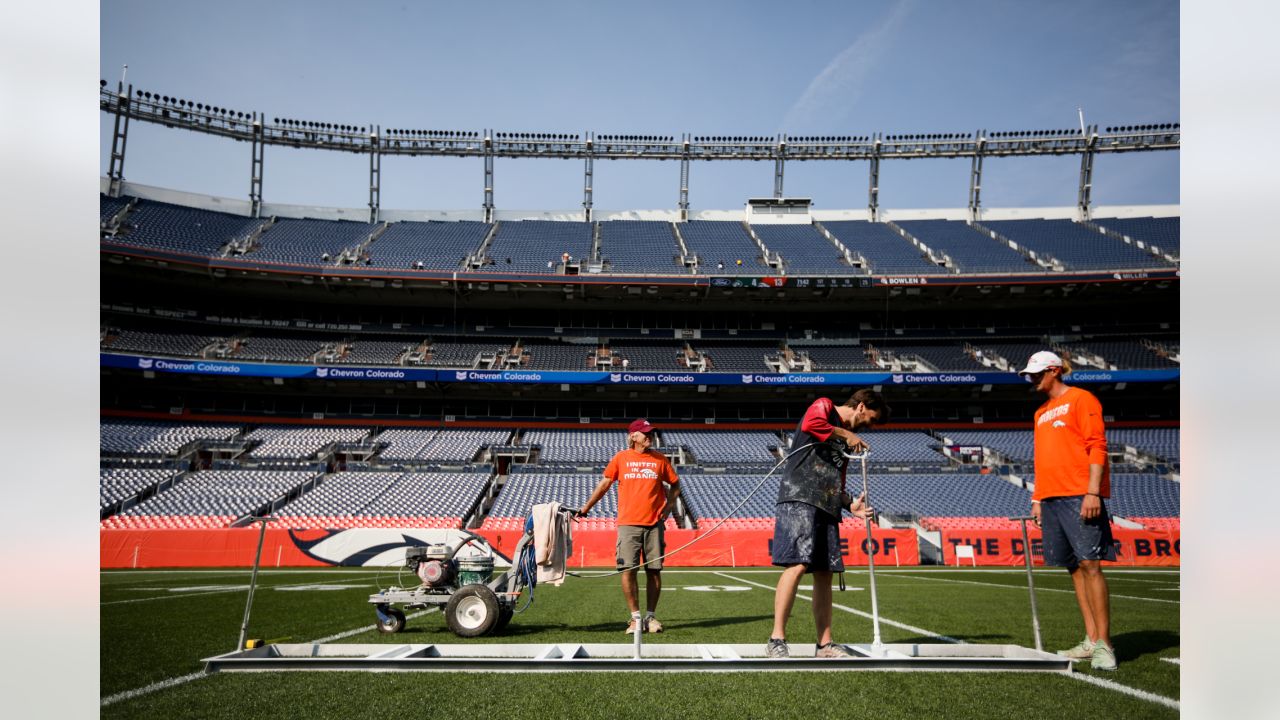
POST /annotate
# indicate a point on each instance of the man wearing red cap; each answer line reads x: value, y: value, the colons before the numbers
x: 643, y: 505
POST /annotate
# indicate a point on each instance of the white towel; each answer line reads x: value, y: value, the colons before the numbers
x: 552, y: 533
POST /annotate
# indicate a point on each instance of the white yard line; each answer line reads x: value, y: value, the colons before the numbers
x: 172, y: 596
x: 175, y: 681
x: 367, y: 628
x: 1092, y: 680
x: 1175, y: 661
x: 1125, y: 689
x: 909, y: 628
x: 162, y: 685
x: 1023, y: 587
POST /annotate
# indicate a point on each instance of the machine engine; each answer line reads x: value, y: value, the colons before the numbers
x: 433, y: 564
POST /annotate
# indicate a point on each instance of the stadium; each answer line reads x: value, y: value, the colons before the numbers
x: 371, y: 380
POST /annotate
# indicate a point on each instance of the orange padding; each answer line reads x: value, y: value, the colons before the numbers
x: 235, y: 547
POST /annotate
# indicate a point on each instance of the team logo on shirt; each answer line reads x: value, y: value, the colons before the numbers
x: 1059, y: 423
x: 1054, y: 414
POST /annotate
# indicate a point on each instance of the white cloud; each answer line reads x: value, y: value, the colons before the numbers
x: 835, y: 90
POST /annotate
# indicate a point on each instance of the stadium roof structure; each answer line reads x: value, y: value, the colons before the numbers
x: 128, y: 103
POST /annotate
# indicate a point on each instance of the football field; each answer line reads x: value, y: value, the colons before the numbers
x: 156, y: 625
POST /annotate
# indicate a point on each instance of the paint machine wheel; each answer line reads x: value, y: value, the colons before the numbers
x: 472, y: 611
x: 394, y: 622
x: 504, y: 617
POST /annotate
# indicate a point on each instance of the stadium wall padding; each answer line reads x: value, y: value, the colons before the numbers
x: 235, y: 547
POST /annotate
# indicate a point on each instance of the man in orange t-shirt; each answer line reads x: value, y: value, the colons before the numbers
x: 1072, y: 478
x: 643, y: 506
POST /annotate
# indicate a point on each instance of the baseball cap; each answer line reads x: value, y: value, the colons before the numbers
x: 640, y: 425
x: 1040, y: 361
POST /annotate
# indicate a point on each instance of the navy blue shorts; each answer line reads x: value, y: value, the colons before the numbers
x: 1068, y: 539
x: 805, y: 535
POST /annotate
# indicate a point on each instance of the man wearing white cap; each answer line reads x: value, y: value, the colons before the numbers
x: 1072, y: 478
x: 643, y: 506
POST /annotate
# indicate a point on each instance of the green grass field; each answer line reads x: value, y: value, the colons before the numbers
x: 158, y: 624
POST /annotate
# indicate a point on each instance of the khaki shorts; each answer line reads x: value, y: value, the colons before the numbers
x: 632, y: 539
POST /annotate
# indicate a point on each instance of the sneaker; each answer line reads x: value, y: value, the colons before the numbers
x: 1082, y: 651
x: 832, y: 650
x: 777, y: 649
x: 631, y: 627
x: 1104, y: 658
x: 653, y: 625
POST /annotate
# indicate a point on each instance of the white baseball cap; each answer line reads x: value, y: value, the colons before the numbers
x: 1040, y: 361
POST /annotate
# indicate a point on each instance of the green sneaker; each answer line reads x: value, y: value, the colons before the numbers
x: 1104, y: 658
x: 1083, y: 651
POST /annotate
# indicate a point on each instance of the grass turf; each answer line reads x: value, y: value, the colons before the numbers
x: 151, y: 633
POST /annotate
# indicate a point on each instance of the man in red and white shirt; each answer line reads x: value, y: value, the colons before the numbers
x: 811, y: 496
x: 643, y: 506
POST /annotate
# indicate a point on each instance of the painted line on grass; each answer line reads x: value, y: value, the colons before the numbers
x: 183, y: 679
x: 1130, y: 691
x: 367, y: 628
x: 1023, y: 587
x: 903, y: 626
x: 1175, y: 661
x: 1092, y: 680
x: 172, y: 596
x: 153, y: 687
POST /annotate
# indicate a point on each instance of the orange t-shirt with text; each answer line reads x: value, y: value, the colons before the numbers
x: 1069, y: 437
x: 640, y: 476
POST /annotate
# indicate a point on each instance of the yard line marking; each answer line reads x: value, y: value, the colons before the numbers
x: 162, y: 685
x: 1023, y: 587
x: 1175, y: 661
x: 1130, y: 691
x: 207, y: 592
x: 1092, y: 680
x: 367, y: 628
x: 867, y: 615
x: 175, y: 681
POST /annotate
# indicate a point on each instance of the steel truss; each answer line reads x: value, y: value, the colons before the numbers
x: 130, y: 104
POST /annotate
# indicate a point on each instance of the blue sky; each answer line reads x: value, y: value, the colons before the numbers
x: 746, y: 68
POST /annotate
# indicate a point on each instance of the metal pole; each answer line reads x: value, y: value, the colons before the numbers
x: 871, y: 557
x: 639, y: 631
x: 778, y: 166
x: 588, y: 179
x: 684, y: 179
x: 1031, y: 584
x: 975, y: 179
x: 253, y: 580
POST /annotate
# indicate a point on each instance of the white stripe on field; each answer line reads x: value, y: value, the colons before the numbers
x: 1039, y: 589
x: 171, y: 596
x: 867, y: 615
x: 175, y: 681
x: 1100, y: 682
x: 367, y: 628
x: 1175, y: 661
x: 163, y: 684
x: 1132, y: 692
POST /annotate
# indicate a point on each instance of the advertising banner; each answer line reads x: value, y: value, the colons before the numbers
x: 247, y: 369
x: 1005, y: 547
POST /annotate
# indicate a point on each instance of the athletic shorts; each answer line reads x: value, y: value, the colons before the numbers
x: 1068, y: 539
x: 805, y: 535
x: 633, y: 540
